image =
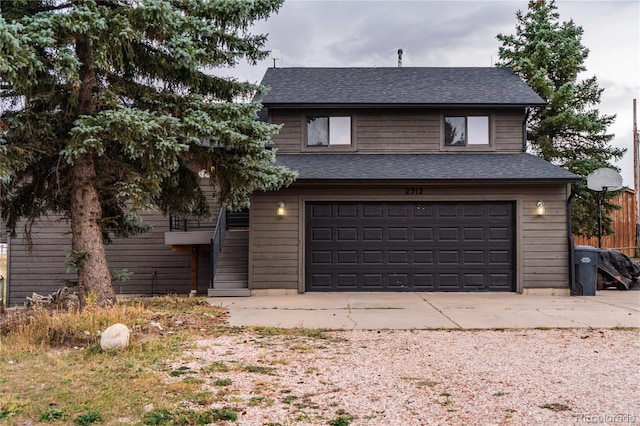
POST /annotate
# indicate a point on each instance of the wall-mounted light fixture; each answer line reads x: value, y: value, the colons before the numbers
x: 280, y: 210
x: 540, y: 208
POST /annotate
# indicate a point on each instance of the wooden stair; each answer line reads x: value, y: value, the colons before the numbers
x: 232, y: 275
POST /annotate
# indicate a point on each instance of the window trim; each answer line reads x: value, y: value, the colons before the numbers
x: 327, y: 148
x: 491, y: 146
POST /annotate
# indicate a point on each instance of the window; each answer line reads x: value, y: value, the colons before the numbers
x: 464, y: 131
x: 328, y: 131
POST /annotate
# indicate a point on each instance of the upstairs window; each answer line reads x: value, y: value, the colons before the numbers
x: 328, y: 131
x: 466, y: 131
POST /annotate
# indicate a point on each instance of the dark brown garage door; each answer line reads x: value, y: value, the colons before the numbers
x: 409, y: 246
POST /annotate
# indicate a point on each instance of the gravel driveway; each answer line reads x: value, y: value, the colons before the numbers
x: 423, y: 377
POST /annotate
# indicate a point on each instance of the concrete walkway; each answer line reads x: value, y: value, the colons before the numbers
x: 371, y: 311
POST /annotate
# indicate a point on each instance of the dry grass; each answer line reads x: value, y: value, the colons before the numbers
x: 40, y: 329
x: 53, y: 370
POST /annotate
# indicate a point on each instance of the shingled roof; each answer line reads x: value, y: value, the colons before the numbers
x: 457, y: 167
x: 397, y: 86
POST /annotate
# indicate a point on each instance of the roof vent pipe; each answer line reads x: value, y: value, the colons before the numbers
x: 400, y: 58
x: 275, y: 55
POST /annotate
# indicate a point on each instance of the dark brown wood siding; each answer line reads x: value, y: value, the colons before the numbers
x: 156, y: 268
x: 289, y: 139
x: 43, y: 270
x: 3, y: 264
x: 508, y: 131
x: 397, y: 131
x: 274, y: 242
x: 277, y: 257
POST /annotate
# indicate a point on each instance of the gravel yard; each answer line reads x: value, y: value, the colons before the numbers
x: 425, y: 377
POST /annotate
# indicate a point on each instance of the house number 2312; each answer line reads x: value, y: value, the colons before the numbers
x: 413, y: 190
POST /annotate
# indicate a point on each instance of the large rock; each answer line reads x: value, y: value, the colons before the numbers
x: 115, y: 337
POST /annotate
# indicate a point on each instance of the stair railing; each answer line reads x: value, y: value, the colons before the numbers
x: 217, y: 241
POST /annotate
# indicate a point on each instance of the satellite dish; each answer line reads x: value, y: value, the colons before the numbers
x: 604, y: 180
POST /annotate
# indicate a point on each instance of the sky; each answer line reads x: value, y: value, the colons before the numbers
x: 353, y: 33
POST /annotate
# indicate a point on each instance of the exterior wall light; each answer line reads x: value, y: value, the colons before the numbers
x: 280, y: 210
x: 540, y: 208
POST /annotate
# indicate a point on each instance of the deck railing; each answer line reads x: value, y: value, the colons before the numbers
x: 179, y: 223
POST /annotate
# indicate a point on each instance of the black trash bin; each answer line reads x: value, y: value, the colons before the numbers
x: 586, y: 261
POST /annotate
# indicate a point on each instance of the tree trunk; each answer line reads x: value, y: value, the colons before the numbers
x: 87, y: 245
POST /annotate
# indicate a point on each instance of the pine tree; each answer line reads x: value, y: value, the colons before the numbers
x: 569, y: 131
x: 112, y: 106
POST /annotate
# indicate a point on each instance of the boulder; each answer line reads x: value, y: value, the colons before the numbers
x: 115, y: 337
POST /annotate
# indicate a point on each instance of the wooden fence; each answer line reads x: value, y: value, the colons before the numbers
x: 624, y: 227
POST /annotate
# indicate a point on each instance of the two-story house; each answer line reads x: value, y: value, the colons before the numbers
x: 410, y: 179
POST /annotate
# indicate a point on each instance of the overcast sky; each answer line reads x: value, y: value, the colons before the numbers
x: 350, y: 33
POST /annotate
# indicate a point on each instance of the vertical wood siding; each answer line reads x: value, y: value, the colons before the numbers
x: 388, y: 131
x: 276, y: 258
x: 624, y: 227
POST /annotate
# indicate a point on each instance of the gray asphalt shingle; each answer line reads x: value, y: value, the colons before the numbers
x: 424, y: 167
x: 397, y: 86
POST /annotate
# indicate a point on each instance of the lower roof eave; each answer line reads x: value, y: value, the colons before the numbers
x: 435, y: 182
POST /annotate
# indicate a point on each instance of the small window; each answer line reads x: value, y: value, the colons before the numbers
x: 463, y: 131
x: 328, y: 131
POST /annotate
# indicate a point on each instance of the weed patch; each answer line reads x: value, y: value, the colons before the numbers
x: 420, y: 382
x: 447, y: 401
x: 194, y: 380
x: 260, y: 400
x: 53, y: 415
x: 260, y: 369
x: 314, y: 333
x: 224, y: 414
x: 157, y: 417
x: 215, y: 367
x: 289, y: 399
x: 188, y: 417
x: 222, y: 382
x: 88, y: 418
x: 556, y: 407
x: 342, y: 420
x: 180, y: 371
x: 10, y: 407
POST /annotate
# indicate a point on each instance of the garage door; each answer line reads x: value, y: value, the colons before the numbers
x: 409, y: 246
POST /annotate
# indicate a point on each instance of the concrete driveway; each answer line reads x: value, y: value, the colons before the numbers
x: 372, y: 311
